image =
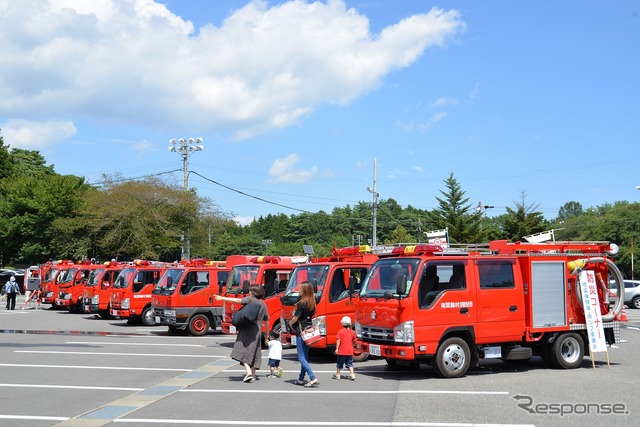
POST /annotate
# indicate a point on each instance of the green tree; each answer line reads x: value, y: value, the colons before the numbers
x: 455, y: 213
x: 569, y: 210
x: 523, y: 220
x: 141, y: 219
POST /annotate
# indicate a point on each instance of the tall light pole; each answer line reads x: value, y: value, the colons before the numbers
x: 374, y: 191
x: 185, y: 147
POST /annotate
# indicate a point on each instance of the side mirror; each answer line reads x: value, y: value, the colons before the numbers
x: 245, y: 286
x: 401, y: 285
x: 169, y: 282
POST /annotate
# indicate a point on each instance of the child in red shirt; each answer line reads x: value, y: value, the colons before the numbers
x: 344, y: 348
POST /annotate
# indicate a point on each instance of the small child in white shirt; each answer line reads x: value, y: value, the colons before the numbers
x: 275, y: 354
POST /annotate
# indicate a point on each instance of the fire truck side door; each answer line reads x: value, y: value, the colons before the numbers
x: 500, y: 301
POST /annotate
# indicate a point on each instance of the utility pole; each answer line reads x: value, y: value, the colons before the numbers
x: 185, y: 147
x: 374, y: 191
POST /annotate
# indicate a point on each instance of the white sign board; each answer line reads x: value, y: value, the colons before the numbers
x: 592, y: 314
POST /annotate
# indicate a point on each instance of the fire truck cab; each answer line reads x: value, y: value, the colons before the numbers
x: 53, y: 272
x: 271, y: 272
x: 130, y: 296
x: 336, y: 281
x: 71, y: 289
x: 450, y: 308
x: 184, y: 299
x: 97, y: 290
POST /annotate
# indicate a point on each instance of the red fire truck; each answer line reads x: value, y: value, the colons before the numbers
x: 70, y: 291
x: 336, y: 280
x: 183, y: 298
x: 450, y: 308
x: 271, y: 272
x: 53, y: 272
x: 97, y: 290
x: 130, y: 296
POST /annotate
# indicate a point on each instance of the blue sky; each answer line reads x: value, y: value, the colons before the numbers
x: 295, y: 100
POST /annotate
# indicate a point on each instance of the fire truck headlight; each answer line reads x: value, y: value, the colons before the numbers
x: 358, y: 329
x: 171, y: 314
x: 48, y: 295
x: 403, y: 333
x: 322, y: 324
x: 95, y: 299
x: 126, y: 304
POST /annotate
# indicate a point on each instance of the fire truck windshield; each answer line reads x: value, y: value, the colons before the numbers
x: 66, y: 276
x: 94, y: 277
x: 124, y: 278
x: 314, y: 274
x: 240, y: 276
x: 384, y: 276
x: 168, y: 282
x: 50, y: 275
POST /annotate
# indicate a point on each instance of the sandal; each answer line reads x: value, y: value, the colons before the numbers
x: 313, y: 383
x: 248, y: 379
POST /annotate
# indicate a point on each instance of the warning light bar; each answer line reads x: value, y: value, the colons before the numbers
x: 416, y: 249
x: 265, y: 259
x: 351, y: 250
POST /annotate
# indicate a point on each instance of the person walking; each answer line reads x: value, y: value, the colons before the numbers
x: 12, y: 289
x: 274, y: 354
x: 248, y: 346
x: 344, y: 349
x: 302, y: 315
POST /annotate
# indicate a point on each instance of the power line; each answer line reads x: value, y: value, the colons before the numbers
x: 248, y: 195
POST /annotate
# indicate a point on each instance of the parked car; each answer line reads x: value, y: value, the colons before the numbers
x: 631, y: 293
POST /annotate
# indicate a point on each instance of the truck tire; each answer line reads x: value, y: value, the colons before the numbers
x: 635, y: 302
x: 148, y: 317
x: 452, y: 358
x: 567, y: 351
x: 516, y: 353
x: 199, y: 325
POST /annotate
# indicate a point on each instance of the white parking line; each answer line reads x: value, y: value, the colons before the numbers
x: 116, y: 368
x: 121, y: 354
x: 72, y: 387
x: 317, y: 391
x: 313, y: 423
x: 134, y: 343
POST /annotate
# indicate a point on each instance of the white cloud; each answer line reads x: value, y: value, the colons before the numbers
x: 283, y: 171
x: 418, y: 168
x: 243, y: 220
x: 30, y: 135
x: 443, y: 102
x: 135, y: 60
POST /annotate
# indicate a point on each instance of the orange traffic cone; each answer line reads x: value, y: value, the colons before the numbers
x: 623, y: 314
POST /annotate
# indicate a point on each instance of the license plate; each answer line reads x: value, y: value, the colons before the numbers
x: 232, y: 329
x: 157, y: 319
x: 293, y: 340
x: 374, y: 350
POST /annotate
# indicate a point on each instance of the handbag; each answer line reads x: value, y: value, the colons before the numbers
x: 311, y: 335
x: 246, y: 316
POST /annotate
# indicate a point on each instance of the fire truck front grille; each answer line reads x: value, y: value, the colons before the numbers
x: 377, y: 335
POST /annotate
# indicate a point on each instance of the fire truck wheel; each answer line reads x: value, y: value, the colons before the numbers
x: 452, y: 358
x: 567, y: 351
x: 199, y: 325
x: 148, y: 317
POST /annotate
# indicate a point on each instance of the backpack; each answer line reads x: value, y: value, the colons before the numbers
x: 246, y: 316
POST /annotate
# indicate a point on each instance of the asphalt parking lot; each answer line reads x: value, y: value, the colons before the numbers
x: 69, y: 369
